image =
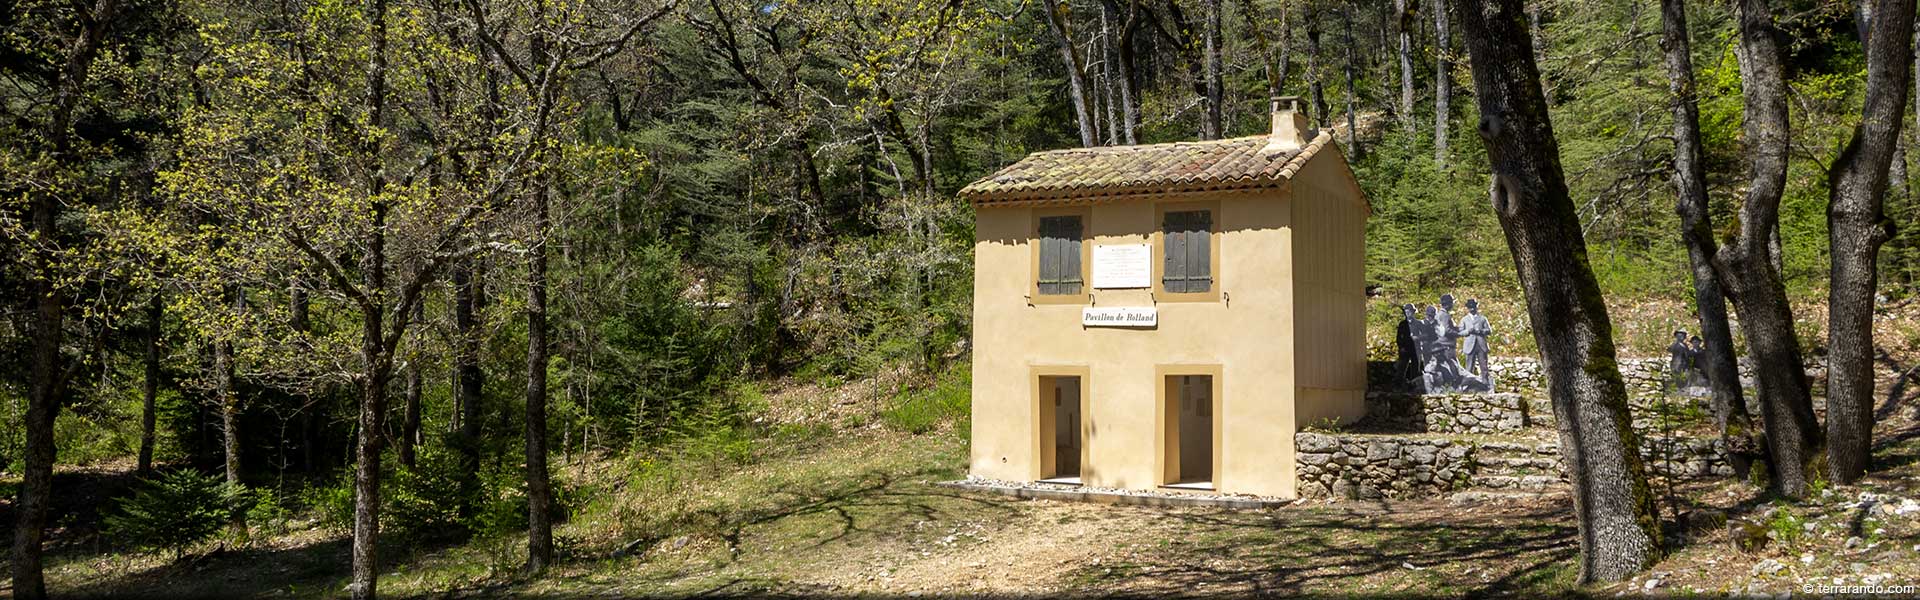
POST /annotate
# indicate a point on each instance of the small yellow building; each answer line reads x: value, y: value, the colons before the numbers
x: 1167, y: 315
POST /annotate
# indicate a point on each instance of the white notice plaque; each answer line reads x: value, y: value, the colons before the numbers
x: 1122, y: 266
x: 1124, y: 316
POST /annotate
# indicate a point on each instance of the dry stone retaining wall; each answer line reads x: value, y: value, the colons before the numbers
x: 1371, y: 466
x: 1685, y: 457
x: 1447, y: 413
x: 1379, y: 466
x: 1645, y: 377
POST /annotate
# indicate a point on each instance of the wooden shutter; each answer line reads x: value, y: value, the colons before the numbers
x: 1060, y: 255
x: 1188, y: 264
x: 1070, y: 268
x: 1200, y: 251
x: 1173, y: 275
x: 1049, y: 260
x: 1187, y: 257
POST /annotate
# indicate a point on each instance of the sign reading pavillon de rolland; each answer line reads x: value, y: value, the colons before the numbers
x: 1123, y: 316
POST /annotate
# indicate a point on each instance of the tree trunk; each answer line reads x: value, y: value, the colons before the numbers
x: 1748, y: 267
x: 410, y: 422
x: 1215, y: 70
x: 1108, y: 70
x: 43, y: 405
x: 1076, y: 74
x: 1129, y: 79
x: 375, y: 357
x: 1314, y: 88
x: 1109, y: 84
x: 469, y: 299
x: 539, y: 487
x: 46, y: 368
x: 229, y: 399
x: 1696, y: 231
x: 366, y: 472
x: 1353, y: 131
x: 1536, y: 32
x: 1283, y: 65
x: 1619, y: 531
x: 297, y: 320
x: 150, y: 386
x: 1406, y: 64
x: 1272, y: 67
x: 1442, y: 84
x: 1129, y: 76
x: 1383, y: 45
x: 1857, y: 225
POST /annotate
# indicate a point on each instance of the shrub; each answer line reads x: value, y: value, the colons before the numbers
x: 266, y: 511
x: 334, y: 503
x: 920, y: 411
x: 503, y: 505
x: 720, y: 444
x: 176, y: 510
x: 1785, y: 526
x: 424, y: 501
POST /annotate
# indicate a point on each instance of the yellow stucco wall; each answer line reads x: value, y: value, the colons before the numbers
x: 1247, y: 336
x: 1329, y: 217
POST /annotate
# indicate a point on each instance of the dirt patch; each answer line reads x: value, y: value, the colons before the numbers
x: 836, y: 405
x: 1030, y: 556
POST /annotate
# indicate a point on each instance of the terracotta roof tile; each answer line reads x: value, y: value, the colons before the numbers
x: 1113, y: 171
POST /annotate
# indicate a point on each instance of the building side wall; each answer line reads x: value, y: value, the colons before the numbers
x: 1330, y: 286
x: 1246, y: 333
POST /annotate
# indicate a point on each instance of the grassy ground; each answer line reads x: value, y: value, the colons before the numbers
x: 834, y: 495
x: 855, y: 514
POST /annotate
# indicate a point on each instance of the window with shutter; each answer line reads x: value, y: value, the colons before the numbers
x: 1060, y: 255
x: 1188, y: 255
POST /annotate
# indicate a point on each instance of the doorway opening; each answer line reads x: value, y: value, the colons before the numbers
x: 1062, y: 442
x: 1190, y: 432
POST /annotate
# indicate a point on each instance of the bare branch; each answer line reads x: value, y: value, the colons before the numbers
x: 330, y: 266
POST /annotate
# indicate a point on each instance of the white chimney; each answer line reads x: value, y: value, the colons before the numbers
x: 1289, y: 125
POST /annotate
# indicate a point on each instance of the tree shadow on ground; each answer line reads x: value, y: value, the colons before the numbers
x: 318, y: 568
x: 1904, y: 390
x: 1312, y: 551
x: 246, y: 572
x: 873, y: 492
x: 81, y: 499
x: 875, y: 503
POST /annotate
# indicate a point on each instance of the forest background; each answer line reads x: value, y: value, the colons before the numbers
x: 704, y: 196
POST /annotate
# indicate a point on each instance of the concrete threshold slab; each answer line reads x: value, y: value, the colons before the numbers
x: 1125, y: 498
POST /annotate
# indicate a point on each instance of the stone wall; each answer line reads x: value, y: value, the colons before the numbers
x: 1372, y: 466
x: 1682, y: 413
x: 1446, y: 413
x: 1645, y: 377
x: 1691, y: 457
x: 1347, y: 466
x: 1523, y: 375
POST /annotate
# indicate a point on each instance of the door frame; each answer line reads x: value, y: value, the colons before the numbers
x: 1040, y: 414
x: 1166, y: 420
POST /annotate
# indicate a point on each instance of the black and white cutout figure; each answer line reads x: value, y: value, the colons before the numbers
x: 1431, y: 347
x: 1426, y: 345
x: 1682, y: 361
x: 1407, y: 366
x: 1442, y: 362
x: 1697, y: 377
x: 1474, y: 330
x: 1688, y: 368
x: 1679, y: 359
